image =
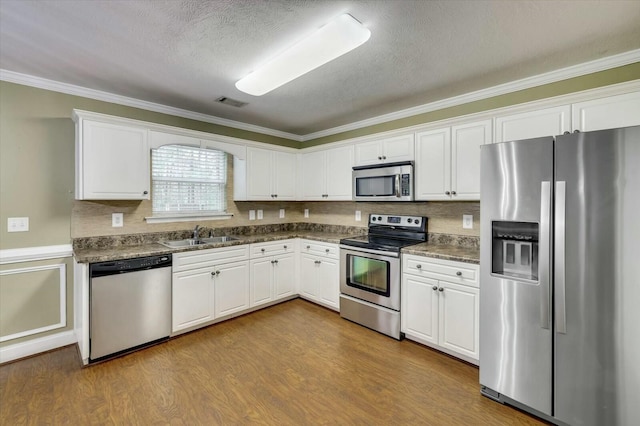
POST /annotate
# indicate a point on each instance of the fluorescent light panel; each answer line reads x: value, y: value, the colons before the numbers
x: 335, y: 39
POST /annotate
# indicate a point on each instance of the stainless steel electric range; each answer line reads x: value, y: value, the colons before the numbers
x: 370, y: 272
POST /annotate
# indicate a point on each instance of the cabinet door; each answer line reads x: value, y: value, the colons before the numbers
x: 328, y: 283
x: 113, y: 162
x: 459, y: 330
x: 284, y: 175
x: 420, y: 308
x: 308, y: 276
x: 607, y: 113
x: 465, y: 158
x: 339, y: 178
x: 284, y: 277
x: 368, y: 153
x: 433, y: 165
x: 398, y: 148
x: 312, y: 175
x: 261, y: 281
x: 231, y: 288
x: 192, y: 298
x: 259, y: 172
x: 533, y: 124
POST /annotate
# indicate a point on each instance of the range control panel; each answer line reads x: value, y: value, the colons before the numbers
x: 416, y: 222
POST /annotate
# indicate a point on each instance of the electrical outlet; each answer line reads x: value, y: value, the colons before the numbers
x: 467, y: 221
x: 281, y: 213
x: 17, y: 224
x: 260, y: 214
x: 252, y: 215
x: 117, y: 220
x: 306, y: 212
x: 358, y: 215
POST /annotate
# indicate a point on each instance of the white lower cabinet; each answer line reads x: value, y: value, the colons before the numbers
x: 210, y: 290
x: 320, y: 273
x: 440, y: 305
x: 273, y: 272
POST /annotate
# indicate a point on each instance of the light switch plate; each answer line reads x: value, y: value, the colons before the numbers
x: 17, y: 224
x: 281, y: 213
x: 306, y: 212
x: 260, y: 214
x: 467, y: 221
x: 117, y: 220
x: 358, y: 215
x: 252, y: 215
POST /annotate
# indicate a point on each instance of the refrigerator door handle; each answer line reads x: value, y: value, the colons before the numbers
x: 559, y: 250
x: 545, y: 256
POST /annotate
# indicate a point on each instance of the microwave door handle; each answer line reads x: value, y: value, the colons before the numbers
x: 398, y: 186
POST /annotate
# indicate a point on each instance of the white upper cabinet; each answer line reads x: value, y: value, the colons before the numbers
x: 112, y: 161
x: 326, y: 175
x: 271, y: 175
x: 533, y: 124
x: 389, y: 150
x: 448, y: 162
x: 607, y: 113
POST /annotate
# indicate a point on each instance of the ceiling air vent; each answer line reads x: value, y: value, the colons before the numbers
x: 231, y: 102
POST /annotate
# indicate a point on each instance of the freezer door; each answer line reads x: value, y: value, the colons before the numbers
x: 515, y: 309
x: 597, y: 276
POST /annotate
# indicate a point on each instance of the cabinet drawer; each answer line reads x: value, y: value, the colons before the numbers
x: 319, y: 249
x: 272, y: 248
x: 456, y: 272
x: 205, y: 258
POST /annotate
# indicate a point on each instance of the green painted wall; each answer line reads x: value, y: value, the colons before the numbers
x: 577, y: 84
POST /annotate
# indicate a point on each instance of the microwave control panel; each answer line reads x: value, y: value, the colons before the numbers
x: 405, y: 184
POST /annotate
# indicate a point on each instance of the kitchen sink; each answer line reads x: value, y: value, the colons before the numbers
x: 197, y: 242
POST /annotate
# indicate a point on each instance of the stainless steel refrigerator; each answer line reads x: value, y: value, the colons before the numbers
x: 560, y: 276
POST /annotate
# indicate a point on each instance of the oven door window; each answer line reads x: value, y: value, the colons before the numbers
x: 375, y: 186
x: 368, y: 274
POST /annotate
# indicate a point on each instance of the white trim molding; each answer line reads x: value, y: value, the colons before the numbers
x: 31, y: 254
x: 36, y: 346
x: 62, y: 285
x: 514, y: 86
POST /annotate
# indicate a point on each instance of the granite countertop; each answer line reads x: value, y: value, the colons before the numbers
x: 105, y: 254
x: 458, y: 253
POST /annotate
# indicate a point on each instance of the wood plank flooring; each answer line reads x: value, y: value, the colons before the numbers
x: 292, y: 364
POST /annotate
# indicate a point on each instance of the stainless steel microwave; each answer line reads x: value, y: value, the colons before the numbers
x: 384, y: 182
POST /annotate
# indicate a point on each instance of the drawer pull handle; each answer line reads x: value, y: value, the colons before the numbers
x: 418, y: 266
x: 459, y: 273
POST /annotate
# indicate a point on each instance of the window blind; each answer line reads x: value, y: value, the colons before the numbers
x: 188, y: 180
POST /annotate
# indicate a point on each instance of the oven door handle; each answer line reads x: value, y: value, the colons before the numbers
x: 398, y: 186
x: 358, y: 250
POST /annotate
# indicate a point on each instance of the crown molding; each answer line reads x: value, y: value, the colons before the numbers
x: 70, y: 89
x: 502, y: 89
x: 514, y: 86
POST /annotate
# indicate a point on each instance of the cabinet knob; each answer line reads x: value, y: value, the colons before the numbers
x: 576, y: 131
x: 379, y: 158
x: 317, y: 262
x: 453, y: 192
x: 217, y: 273
x: 459, y: 273
x: 441, y: 289
x: 418, y: 266
x: 567, y: 133
x: 213, y: 273
x: 262, y: 250
x: 145, y: 192
x: 308, y: 247
x: 327, y: 250
x: 384, y: 157
x: 275, y: 195
x: 275, y: 261
x: 285, y: 246
x: 447, y: 193
x: 435, y: 287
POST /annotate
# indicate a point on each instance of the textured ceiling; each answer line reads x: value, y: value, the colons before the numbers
x: 186, y: 54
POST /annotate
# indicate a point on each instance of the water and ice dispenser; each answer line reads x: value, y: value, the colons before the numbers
x: 515, y: 249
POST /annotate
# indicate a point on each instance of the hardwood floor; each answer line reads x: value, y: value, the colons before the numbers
x: 291, y: 364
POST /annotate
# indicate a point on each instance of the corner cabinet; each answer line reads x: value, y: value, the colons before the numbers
x: 326, y: 175
x: 448, y: 162
x: 320, y: 273
x: 440, y: 305
x: 271, y: 175
x: 112, y: 161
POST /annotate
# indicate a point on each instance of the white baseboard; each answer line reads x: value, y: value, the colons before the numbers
x: 36, y: 346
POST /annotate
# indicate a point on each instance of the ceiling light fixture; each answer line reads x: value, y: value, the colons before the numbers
x: 334, y: 39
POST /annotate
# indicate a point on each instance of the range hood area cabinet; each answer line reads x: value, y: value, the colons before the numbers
x: 112, y: 161
x: 447, y: 163
x: 388, y: 150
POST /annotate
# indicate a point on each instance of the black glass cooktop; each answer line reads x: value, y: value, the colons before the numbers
x: 377, y: 242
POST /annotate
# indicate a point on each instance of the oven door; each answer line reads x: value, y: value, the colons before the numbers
x: 370, y: 275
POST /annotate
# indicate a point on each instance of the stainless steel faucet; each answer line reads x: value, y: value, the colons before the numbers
x: 195, y: 232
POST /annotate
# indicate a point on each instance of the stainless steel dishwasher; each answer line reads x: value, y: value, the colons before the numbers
x: 130, y: 305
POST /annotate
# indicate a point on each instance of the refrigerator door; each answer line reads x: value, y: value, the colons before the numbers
x: 515, y: 310
x: 597, y: 276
